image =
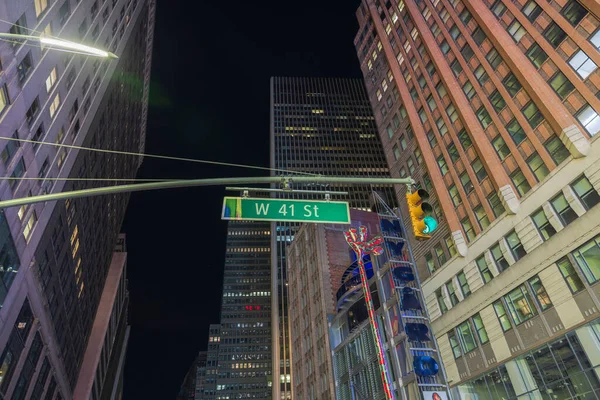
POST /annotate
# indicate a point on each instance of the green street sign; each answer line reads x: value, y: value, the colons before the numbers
x: 251, y: 209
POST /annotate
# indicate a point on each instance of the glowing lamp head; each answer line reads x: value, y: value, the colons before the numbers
x: 430, y: 223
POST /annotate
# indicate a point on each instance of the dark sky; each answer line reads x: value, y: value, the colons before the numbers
x: 209, y: 99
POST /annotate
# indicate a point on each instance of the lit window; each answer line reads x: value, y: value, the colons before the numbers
x: 3, y: 98
x: 28, y: 229
x: 520, y: 305
x: 54, y: 105
x: 384, y: 85
x: 379, y: 95
x: 370, y: 64
x: 589, y: 119
x: 51, y: 80
x: 582, y: 64
x: 40, y: 7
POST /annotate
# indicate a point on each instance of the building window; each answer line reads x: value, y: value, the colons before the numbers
x: 586, y: 192
x: 588, y: 258
x: 494, y: 58
x: 441, y: 126
x: 557, y: 150
x: 497, y: 101
x: 536, y: 55
x: 479, y: 36
x: 482, y: 217
x: 465, y: 334
x: 520, y: 305
x: 537, y: 166
x: 453, y: 152
x: 533, y: 114
x: 37, y: 136
x: 554, y: 34
x: 9, y: 150
x: 561, y: 85
x: 24, y: 68
x: 480, y: 329
x: 532, y: 10
x: 437, y: 209
x: 484, y: 270
x: 469, y: 90
x: 481, y: 75
x: 51, y: 80
x: 451, y: 111
x: 468, y: 228
x: 499, y: 260
x: 582, y: 64
x: 456, y: 67
x: 419, y: 156
x: 464, y: 285
x: 379, y: 95
x: 441, y: 89
x: 502, y: 316
x: 28, y: 229
x: 441, y: 301
x: 516, y: 30
x: 542, y: 224
x: 431, y: 138
x: 33, y: 111
x: 515, y: 246
x: 570, y: 275
x: 498, y: 8
x: 63, y: 12
x: 427, y: 182
x: 516, y: 131
x: 466, y: 182
x: 496, y: 204
x: 422, y: 115
x: 540, y: 293
x: 40, y: 7
x: 451, y: 293
x: 574, y: 12
x: 520, y: 182
x: 563, y: 209
x: 18, y: 172
x: 396, y: 119
x: 4, y: 101
x: 484, y: 117
x: 442, y: 164
x: 54, y: 105
x: 445, y: 47
x: 479, y: 169
x: 396, y: 152
x: 403, y: 144
x: 589, y: 119
x: 390, y: 131
x: 454, y: 195
x: 464, y: 139
x: 450, y: 245
x: 402, y: 172
x: 411, y: 165
x: 439, y: 253
x: 454, y: 344
x: 431, y: 103
x: 511, y: 83
x: 430, y: 263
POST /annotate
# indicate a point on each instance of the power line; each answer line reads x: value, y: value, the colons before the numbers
x: 129, y: 153
x: 11, y: 178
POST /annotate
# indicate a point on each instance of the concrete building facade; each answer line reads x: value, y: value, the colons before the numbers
x: 493, y: 107
x: 58, y: 256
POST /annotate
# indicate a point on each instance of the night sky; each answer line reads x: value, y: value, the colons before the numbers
x: 209, y: 99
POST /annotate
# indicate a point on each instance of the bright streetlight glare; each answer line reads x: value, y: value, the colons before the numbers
x: 60, y: 44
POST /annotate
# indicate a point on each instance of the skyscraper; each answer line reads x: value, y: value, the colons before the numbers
x: 57, y: 256
x: 244, y: 346
x: 492, y: 106
x: 193, y: 383
x: 320, y: 126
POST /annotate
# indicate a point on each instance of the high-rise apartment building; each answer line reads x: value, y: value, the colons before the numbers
x: 244, y: 345
x: 209, y: 389
x: 492, y: 106
x: 320, y: 126
x: 193, y: 383
x: 58, y: 257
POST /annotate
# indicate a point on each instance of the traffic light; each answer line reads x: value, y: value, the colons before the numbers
x: 423, y: 224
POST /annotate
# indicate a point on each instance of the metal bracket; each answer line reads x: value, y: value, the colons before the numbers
x: 245, y: 194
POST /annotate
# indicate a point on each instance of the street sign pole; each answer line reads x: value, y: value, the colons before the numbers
x: 138, y: 187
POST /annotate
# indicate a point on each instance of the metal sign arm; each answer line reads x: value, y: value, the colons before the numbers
x: 201, y: 182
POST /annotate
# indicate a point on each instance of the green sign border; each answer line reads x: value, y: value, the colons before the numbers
x: 296, y: 201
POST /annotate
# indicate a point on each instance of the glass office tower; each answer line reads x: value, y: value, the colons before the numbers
x: 320, y: 126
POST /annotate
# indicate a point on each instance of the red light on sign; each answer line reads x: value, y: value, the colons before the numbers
x: 252, y: 308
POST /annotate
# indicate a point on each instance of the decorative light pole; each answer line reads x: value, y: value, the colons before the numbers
x: 357, y: 239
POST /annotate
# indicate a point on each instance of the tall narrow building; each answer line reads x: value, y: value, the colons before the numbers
x: 319, y: 126
x: 58, y: 257
x: 244, y: 344
x: 492, y: 106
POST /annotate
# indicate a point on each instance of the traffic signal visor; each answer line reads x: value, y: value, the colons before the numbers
x: 423, y: 224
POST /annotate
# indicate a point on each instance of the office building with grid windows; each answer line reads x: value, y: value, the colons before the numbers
x: 320, y: 126
x: 59, y: 265
x: 493, y: 107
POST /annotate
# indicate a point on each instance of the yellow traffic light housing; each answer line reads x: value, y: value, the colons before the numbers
x: 423, y: 224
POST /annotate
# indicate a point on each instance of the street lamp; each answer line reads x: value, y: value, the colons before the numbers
x: 61, y: 45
